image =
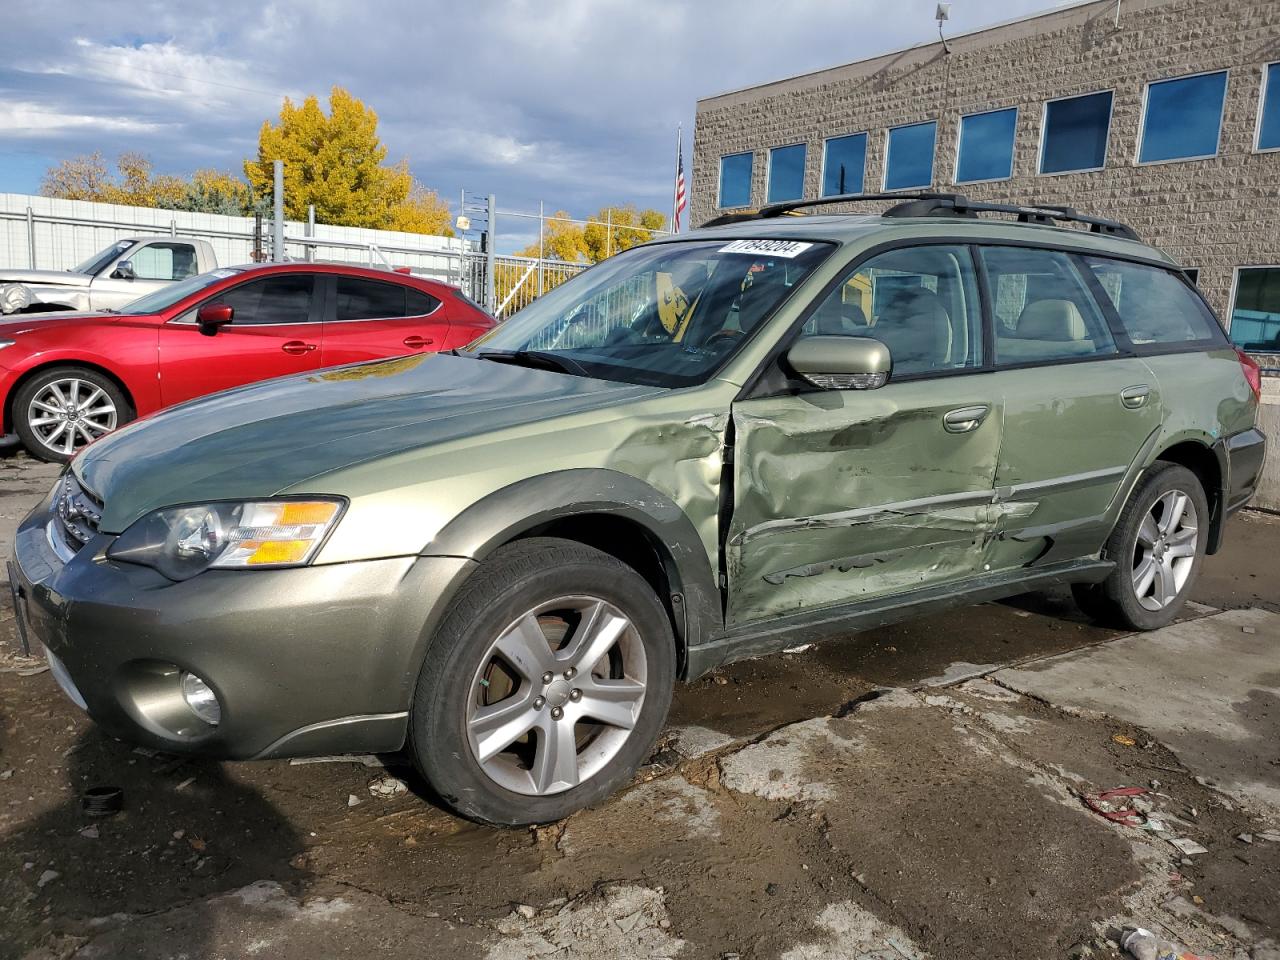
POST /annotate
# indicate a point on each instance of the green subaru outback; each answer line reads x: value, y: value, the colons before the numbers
x: 775, y: 429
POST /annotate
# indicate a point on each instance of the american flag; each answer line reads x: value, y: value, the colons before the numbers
x: 682, y: 198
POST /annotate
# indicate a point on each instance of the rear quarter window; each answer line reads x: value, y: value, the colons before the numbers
x: 1155, y: 306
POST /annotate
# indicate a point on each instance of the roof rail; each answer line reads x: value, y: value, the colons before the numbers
x: 932, y: 204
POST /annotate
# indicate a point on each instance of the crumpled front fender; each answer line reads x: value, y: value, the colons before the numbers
x: 16, y: 297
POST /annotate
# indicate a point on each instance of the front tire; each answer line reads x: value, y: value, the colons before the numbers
x: 1158, y: 545
x: 546, y: 685
x: 62, y: 409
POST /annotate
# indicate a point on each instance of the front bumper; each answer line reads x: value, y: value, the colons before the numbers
x: 304, y: 661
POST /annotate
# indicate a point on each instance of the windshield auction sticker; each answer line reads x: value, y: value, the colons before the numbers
x: 772, y: 248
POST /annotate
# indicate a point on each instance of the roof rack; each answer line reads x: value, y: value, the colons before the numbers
x: 930, y: 204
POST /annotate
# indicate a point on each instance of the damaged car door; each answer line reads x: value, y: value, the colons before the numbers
x: 842, y: 495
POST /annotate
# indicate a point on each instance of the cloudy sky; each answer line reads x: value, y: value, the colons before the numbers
x: 573, y: 102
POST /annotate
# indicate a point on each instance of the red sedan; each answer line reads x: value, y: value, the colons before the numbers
x: 67, y: 379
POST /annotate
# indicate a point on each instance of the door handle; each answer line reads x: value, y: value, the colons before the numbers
x: 297, y: 347
x: 1135, y: 396
x: 965, y: 419
x: 417, y: 343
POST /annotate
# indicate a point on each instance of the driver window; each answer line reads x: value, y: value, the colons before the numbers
x: 164, y: 261
x: 921, y: 302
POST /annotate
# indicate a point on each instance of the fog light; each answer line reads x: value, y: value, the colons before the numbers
x: 201, y: 699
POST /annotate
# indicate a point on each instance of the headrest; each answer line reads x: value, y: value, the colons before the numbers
x: 1052, y: 320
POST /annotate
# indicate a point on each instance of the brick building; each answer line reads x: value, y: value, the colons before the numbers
x: 1164, y: 114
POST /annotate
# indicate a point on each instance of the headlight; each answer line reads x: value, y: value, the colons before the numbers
x: 183, y: 541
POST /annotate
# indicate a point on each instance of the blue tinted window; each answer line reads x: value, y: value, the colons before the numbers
x: 1269, y: 125
x: 1075, y: 133
x: 986, y: 146
x: 909, y: 162
x: 786, y: 173
x: 735, y: 180
x: 843, y: 165
x: 1255, y: 316
x: 1183, y: 118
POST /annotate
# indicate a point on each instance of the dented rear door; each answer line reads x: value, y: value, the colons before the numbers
x: 852, y: 495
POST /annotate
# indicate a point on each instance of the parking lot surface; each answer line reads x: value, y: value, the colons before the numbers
x: 935, y: 789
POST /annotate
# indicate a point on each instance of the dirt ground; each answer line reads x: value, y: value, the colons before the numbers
x: 901, y: 794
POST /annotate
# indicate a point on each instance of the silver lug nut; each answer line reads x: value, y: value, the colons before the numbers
x: 556, y: 713
x: 539, y: 702
x: 575, y: 695
x: 547, y: 677
x: 570, y: 673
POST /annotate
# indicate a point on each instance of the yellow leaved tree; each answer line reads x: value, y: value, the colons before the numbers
x: 337, y: 163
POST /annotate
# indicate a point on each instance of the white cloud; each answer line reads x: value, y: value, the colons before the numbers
x: 31, y: 120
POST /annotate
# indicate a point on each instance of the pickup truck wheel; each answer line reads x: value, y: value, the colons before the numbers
x: 1158, y: 545
x: 65, y: 408
x: 546, y: 685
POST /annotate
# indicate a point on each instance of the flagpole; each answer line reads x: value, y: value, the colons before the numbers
x: 675, y: 182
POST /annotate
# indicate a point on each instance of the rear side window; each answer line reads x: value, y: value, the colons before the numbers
x: 1154, y: 305
x: 281, y: 299
x: 920, y: 302
x: 164, y: 261
x: 369, y: 300
x: 417, y: 303
x: 1042, y: 309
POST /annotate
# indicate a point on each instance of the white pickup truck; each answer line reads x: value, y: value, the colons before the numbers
x: 109, y: 279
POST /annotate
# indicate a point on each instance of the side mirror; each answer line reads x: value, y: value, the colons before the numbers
x: 124, y: 271
x: 211, y: 316
x: 841, y: 363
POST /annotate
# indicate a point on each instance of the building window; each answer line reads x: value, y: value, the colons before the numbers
x: 1075, y: 133
x: 844, y: 160
x: 1182, y: 119
x: 1255, y: 314
x: 735, y: 180
x: 786, y: 173
x: 1269, y: 110
x: 908, y: 159
x: 985, y: 151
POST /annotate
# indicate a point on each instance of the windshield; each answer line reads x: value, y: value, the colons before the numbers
x: 668, y: 314
x: 102, y: 258
x: 172, y: 293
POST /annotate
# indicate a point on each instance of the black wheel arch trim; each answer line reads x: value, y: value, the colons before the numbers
x: 528, y: 505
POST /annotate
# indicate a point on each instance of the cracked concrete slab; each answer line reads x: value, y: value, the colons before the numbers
x: 1209, y: 689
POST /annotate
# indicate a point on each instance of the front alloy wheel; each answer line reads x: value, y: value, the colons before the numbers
x: 557, y: 695
x: 66, y: 408
x: 545, y: 686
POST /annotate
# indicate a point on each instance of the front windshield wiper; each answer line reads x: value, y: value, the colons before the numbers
x: 538, y: 358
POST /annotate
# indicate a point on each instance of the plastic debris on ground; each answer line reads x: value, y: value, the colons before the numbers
x: 1118, y: 805
x: 1188, y: 846
x: 803, y: 648
x: 1124, y: 740
x: 1142, y: 944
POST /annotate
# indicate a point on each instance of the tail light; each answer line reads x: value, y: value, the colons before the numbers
x: 1252, y: 373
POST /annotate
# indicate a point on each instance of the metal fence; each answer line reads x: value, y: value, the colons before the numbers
x: 52, y: 234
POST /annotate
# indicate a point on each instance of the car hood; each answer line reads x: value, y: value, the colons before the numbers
x: 58, y: 278
x: 259, y: 440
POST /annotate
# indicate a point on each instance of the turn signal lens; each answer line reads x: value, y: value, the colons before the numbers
x: 181, y: 542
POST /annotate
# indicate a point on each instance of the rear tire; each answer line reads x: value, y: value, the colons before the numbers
x: 67, y: 402
x: 546, y: 685
x: 1158, y: 545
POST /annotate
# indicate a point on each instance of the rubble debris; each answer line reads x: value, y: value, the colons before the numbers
x: 1188, y: 846
x: 90, y: 832
x: 1270, y: 837
x: 1117, y: 805
x: 802, y: 648
x: 1245, y: 837
x: 102, y: 801
x: 387, y: 787
x: 6, y: 774
x: 1142, y: 944
x: 1124, y: 740
x: 353, y: 800
x: 526, y: 911
x: 47, y: 878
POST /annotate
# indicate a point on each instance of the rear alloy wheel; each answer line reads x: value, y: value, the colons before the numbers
x: 567, y: 688
x: 65, y: 408
x: 1158, y: 545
